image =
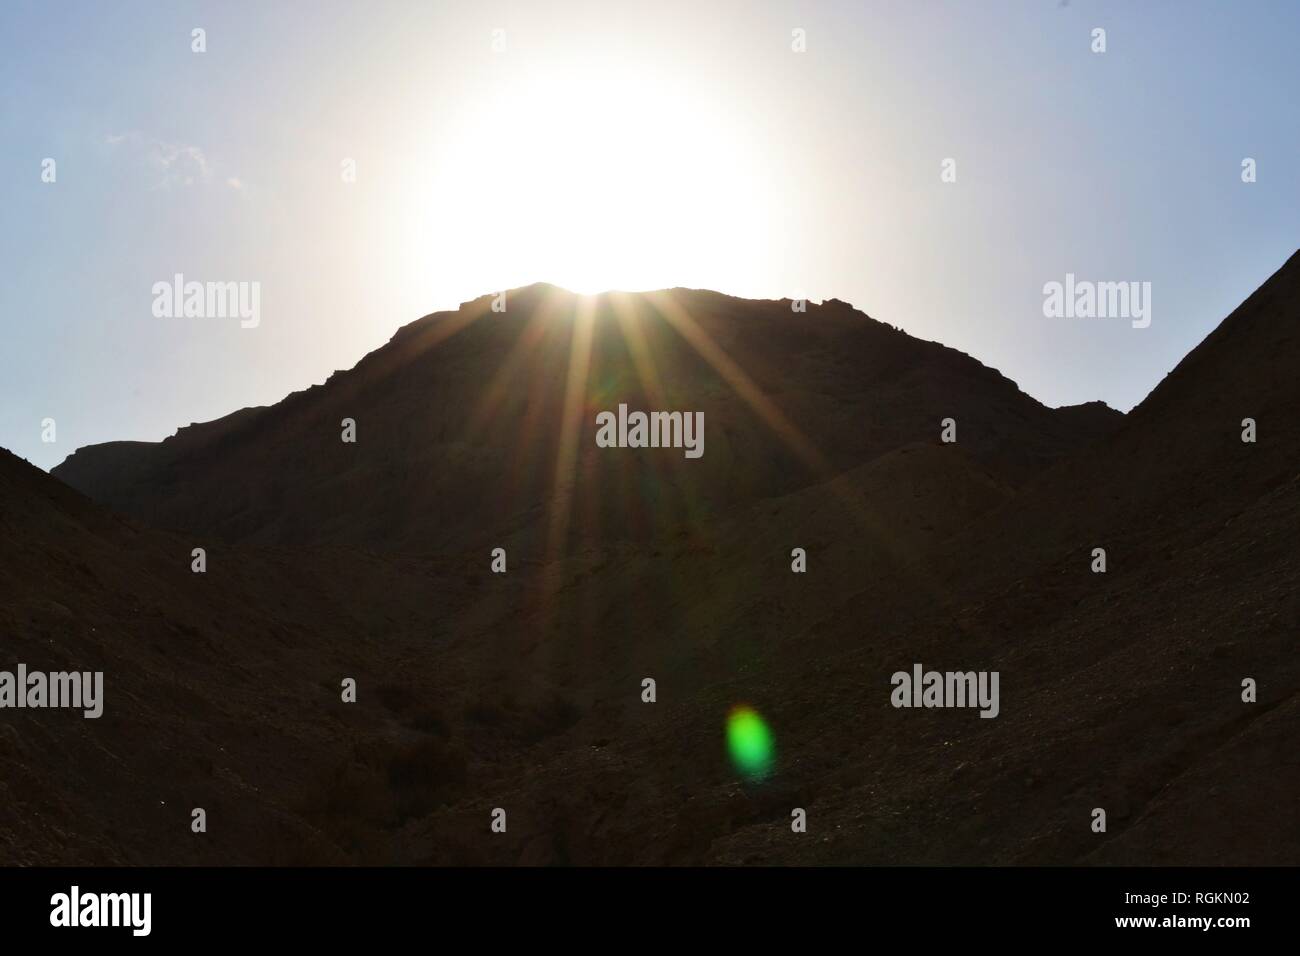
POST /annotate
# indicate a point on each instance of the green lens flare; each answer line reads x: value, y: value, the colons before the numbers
x: 750, y: 742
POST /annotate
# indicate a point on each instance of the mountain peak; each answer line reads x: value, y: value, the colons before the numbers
x: 461, y: 421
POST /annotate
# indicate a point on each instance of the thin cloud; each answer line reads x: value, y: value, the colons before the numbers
x: 172, y: 164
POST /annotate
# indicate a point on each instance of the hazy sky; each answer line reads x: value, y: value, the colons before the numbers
x: 612, y: 144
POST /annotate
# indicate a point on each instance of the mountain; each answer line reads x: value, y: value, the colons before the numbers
x: 1120, y: 690
x: 461, y: 422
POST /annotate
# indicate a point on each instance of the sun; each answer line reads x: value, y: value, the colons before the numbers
x: 593, y: 177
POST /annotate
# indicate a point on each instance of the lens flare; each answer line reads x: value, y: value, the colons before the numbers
x: 750, y: 742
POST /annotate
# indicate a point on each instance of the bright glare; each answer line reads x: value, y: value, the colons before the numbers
x: 597, y: 177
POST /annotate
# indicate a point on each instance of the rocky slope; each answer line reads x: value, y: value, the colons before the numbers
x: 461, y: 423
x: 522, y: 690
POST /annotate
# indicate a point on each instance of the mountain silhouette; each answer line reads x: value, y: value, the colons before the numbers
x: 460, y: 421
x: 1120, y: 690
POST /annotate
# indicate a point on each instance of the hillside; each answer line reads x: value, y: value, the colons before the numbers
x: 522, y: 690
x: 460, y: 422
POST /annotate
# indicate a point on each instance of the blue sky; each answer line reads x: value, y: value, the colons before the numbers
x: 611, y: 144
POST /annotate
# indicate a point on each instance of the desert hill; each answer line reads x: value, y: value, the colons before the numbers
x: 1120, y: 690
x: 461, y: 421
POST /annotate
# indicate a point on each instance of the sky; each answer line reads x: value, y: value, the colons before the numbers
x: 364, y: 164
